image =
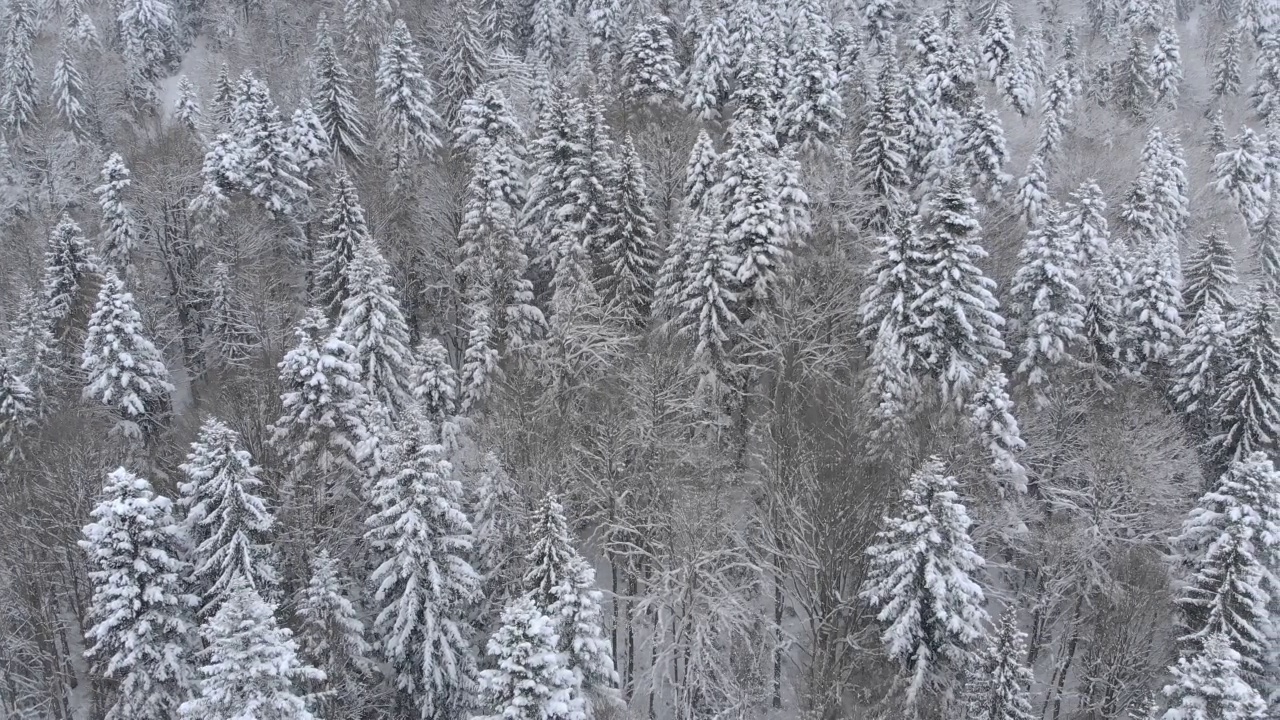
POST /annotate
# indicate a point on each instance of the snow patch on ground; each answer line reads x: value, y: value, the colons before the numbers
x: 193, y: 66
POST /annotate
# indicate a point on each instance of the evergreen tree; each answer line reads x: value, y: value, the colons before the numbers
x: 31, y: 355
x: 67, y: 266
x: 1226, y: 71
x: 485, y: 119
x: 549, y: 31
x: 983, y: 148
x: 813, y: 114
x: 465, y: 62
x: 1131, y: 86
x: 1248, y: 405
x: 186, y: 109
x: 896, y: 282
x: 701, y: 175
x: 17, y: 74
x: 1265, y: 246
x: 343, y: 231
x: 252, y: 668
x: 69, y: 93
x: 308, y: 142
x: 1240, y: 175
x: 1033, y: 192
x: 1216, y: 140
x: 706, y: 79
x: 331, y: 638
x: 409, y: 124
x: 1085, y: 225
x: 605, y: 19
x: 878, y: 19
x: 223, y: 95
x: 649, y: 67
x: 424, y: 585
x: 755, y: 225
x: 883, y: 154
x: 923, y: 580
x: 223, y: 172
x: 226, y: 519
x: 1208, y: 685
x: 140, y: 634
x: 373, y: 324
x: 271, y: 174
x: 123, y: 370
x: 147, y: 30
x: 1202, y: 363
x: 705, y: 296
x: 436, y: 384
x: 1166, y: 67
x: 1210, y: 275
x: 479, y: 360
x: 1153, y: 307
x: 632, y: 252
x: 498, y: 521
x: 990, y: 412
x: 1005, y: 685
x: 335, y: 103
x: 1047, y: 298
x: 997, y: 46
x: 232, y: 340
x: 17, y: 411
x: 529, y: 680
x: 958, y: 320
x: 119, y: 232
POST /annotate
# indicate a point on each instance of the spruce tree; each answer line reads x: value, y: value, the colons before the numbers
x: 529, y: 680
x: 755, y: 225
x: 271, y: 174
x: 990, y: 412
x: 373, y: 324
x: 119, y: 232
x: 123, y: 370
x: 1210, y: 275
x: 1226, y: 71
x: 17, y: 411
x: 883, y: 154
x: 309, y: 143
x: 997, y: 48
x: 423, y: 584
x: 1004, y: 688
x: 17, y: 74
x: 1166, y: 68
x: 1239, y: 174
x: 1265, y: 246
x: 1248, y: 406
x: 496, y: 511
x: 223, y: 172
x: 1200, y: 367
x: 479, y: 360
x: 486, y: 118
x: 631, y: 254
x: 31, y: 355
x: 343, y: 230
x: 1047, y: 299
x: 982, y: 147
x: 335, y: 103
x: 649, y: 67
x: 1033, y: 192
x: 813, y: 114
x: 186, y: 108
x: 67, y: 266
x: 147, y: 30
x: 436, y: 383
x: 465, y: 63
x: 408, y: 122
x: 923, y: 580
x: 1153, y: 307
x: 252, y: 668
x: 1131, y: 86
x: 141, y: 635
x: 705, y: 296
x: 1209, y: 684
x: 706, y: 79
x: 231, y: 338
x: 69, y: 93
x: 331, y: 638
x: 556, y: 210
x: 226, y: 519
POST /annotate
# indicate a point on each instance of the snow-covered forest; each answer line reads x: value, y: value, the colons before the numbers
x: 639, y: 359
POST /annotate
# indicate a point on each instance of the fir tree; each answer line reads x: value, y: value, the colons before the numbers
x: 878, y: 19
x: 409, y: 124
x: 997, y: 47
x: 123, y: 370
x: 186, y: 109
x: 812, y: 114
x: 147, y: 31
x: 223, y: 95
x: 1216, y: 140
x: 1046, y: 296
x: 990, y: 412
x: 556, y: 210
x: 465, y: 61
x: 983, y: 148
x: 605, y: 19
x: 334, y: 102
x: 923, y: 580
x: 119, y: 232
x: 1226, y: 71
x: 309, y: 143
x: 706, y: 79
x: 271, y: 174
x: 373, y: 324
x: 496, y: 511
x: 1208, y: 685
x: 252, y: 668
x: 485, y: 119
x: 17, y: 74
x: 141, y: 635
x: 1248, y: 405
x: 31, y: 355
x: 436, y: 384
x: 231, y: 337
x: 529, y: 680
x: 1153, y: 307
x: 649, y: 66
x: 331, y: 638
x: 479, y: 360
x: 1131, y: 87
x: 1033, y: 192
x: 226, y: 519
x: 1005, y: 686
x: 1240, y: 175
x: 1166, y: 67
x: 632, y: 253
x: 549, y: 30
x: 705, y: 296
x: 223, y: 172
x: 67, y: 266
x: 1265, y: 247
x: 754, y: 225
x: 883, y: 155
x: 69, y: 93
x: 344, y: 230
x: 17, y: 412
x: 424, y: 585
x: 1210, y: 275
x: 958, y: 320
x: 1201, y: 365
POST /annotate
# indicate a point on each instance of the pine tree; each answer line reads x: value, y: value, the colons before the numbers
x: 331, y: 638
x: 232, y: 339
x: 883, y: 155
x: 17, y: 74
x: 1210, y: 275
x: 252, y: 668
x: 497, y: 516
x: 69, y: 93
x: 373, y: 324
x: 186, y: 109
x: 223, y: 95
x: 147, y: 30
x: 990, y: 412
x: 344, y: 230
x: 923, y: 580
x: 1240, y: 175
x: 1153, y: 307
x: 1033, y: 192
x: 706, y: 79
x: 1265, y: 247
x: 631, y: 254
x: 754, y: 224
x: 141, y: 635
x: 17, y: 412
x: 1201, y: 365
x: 1226, y: 72
x: 605, y: 19
x: 1085, y: 225
x: 223, y: 172
x: 309, y: 143
x: 529, y: 680
x: 479, y: 360
x: 1216, y: 140
x: 878, y: 19
x: 364, y: 23
x: 409, y: 124
x: 1005, y: 685
x: 958, y: 319
x: 271, y: 174
x: 1047, y: 298
x: 1208, y: 685
x: 649, y: 67
x: 1131, y: 89
x: 424, y: 585
x: 123, y: 370
x: 701, y: 175
x: 436, y: 384
x: 896, y: 282
x: 1166, y: 67
x: 983, y: 148
x: 67, y: 266
x: 1248, y: 406
x: 485, y: 119
x: 465, y: 61
x: 704, y: 297
x: 335, y: 103
x: 226, y: 519
x: 549, y: 30
x: 119, y: 232
x: 997, y: 48
x: 31, y: 355
x: 813, y: 112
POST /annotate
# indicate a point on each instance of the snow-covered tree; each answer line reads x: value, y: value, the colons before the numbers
x: 706, y: 79
x: 1226, y: 69
x: 1166, y: 68
x: 1208, y: 686
x: 123, y: 369
x: 331, y: 638
x: 1003, y: 689
x: 186, y: 108
x: 1131, y: 89
x: 17, y: 74
x: 755, y: 226
x: 1201, y: 365
x: 983, y: 148
x: 1047, y: 300
x: 479, y: 360
x: 120, y: 235
x: 147, y: 30
x: 69, y: 93
x: 271, y: 174
x: 530, y: 680
x: 485, y: 119
x: 423, y: 584
x: 812, y: 114
x: 1210, y: 275
x: 435, y: 385
x: 409, y: 124
x: 631, y: 254
x: 958, y: 320
x: 226, y: 518
x: 704, y: 297
x: 997, y: 45
x: 334, y: 100
x: 372, y: 323
x: 990, y: 412
x: 1239, y: 174
x: 67, y: 265
x: 17, y: 411
x: 231, y: 339
x: 141, y: 635
x: 1033, y: 192
x: 497, y: 516
x: 923, y: 580
x: 878, y: 20
x: 252, y: 668
x: 1153, y: 306
x: 464, y: 65
x: 1248, y: 406
x: 649, y: 67
x: 309, y: 142
x: 343, y: 231
x: 883, y: 155
x: 31, y: 354
x: 223, y: 173
x: 1265, y: 246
